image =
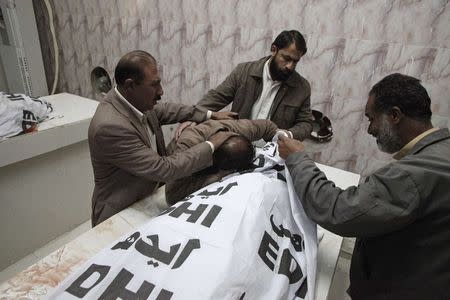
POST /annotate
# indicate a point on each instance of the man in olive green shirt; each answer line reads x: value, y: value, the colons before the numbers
x: 400, y: 214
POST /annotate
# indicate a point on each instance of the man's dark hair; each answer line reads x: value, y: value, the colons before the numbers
x: 236, y: 153
x: 287, y: 37
x: 131, y: 65
x: 402, y: 91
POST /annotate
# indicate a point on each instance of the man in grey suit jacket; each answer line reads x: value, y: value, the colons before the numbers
x: 126, y: 142
x: 400, y: 215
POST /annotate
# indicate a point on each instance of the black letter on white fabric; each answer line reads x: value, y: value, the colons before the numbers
x: 77, y: 290
x: 211, y: 216
x: 259, y: 161
x: 117, y: 288
x: 285, y: 266
x: 265, y: 249
x: 129, y: 241
x: 303, y: 289
x: 205, y: 194
x: 296, y: 240
x: 190, y: 246
x: 153, y: 251
x: 183, y: 209
x: 228, y: 187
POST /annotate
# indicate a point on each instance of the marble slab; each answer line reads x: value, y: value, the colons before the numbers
x: 36, y: 281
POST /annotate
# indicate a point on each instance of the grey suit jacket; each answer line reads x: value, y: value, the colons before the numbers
x: 191, y: 136
x: 126, y: 168
x: 400, y: 216
x: 291, y: 108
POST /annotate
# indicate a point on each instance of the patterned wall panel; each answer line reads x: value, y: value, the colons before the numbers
x: 351, y: 45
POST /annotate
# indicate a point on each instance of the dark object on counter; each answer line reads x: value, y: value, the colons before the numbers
x: 322, y: 131
x: 100, y: 81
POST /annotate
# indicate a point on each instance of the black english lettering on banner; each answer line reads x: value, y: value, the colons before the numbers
x: 117, y: 288
x: 296, y: 239
x: 265, y: 250
x: 129, y: 241
x: 79, y: 289
x: 194, y: 214
x: 153, y: 251
x: 303, y: 289
x: 205, y: 194
x: 286, y: 262
x: 211, y: 216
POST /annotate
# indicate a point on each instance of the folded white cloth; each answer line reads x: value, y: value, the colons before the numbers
x: 21, y: 113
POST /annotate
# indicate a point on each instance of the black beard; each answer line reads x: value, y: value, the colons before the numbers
x: 276, y: 73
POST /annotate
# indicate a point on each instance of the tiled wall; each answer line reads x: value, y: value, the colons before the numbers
x: 352, y: 44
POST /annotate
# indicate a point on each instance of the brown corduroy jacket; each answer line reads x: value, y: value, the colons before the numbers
x: 291, y: 108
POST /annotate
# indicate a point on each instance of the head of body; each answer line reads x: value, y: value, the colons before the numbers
x: 235, y: 154
x: 287, y: 49
x: 138, y: 79
x: 398, y: 110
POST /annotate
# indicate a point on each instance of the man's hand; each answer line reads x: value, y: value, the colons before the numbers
x: 224, y: 115
x: 219, y: 138
x: 288, y: 146
x: 182, y: 127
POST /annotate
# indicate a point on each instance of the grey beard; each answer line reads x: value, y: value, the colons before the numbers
x: 388, y: 139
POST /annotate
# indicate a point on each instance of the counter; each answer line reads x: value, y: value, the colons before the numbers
x: 46, y: 178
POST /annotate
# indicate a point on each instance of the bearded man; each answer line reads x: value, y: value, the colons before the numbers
x: 268, y: 88
x: 400, y: 215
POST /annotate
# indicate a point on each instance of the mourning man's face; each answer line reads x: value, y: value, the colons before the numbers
x: 147, y: 92
x: 382, y: 129
x: 284, y: 61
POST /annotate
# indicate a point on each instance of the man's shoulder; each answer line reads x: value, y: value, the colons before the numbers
x: 254, y: 67
x: 297, y: 80
x: 107, y: 118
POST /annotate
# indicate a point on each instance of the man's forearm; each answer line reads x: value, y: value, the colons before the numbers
x: 301, y: 130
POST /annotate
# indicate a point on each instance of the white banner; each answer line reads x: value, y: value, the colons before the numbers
x: 246, y: 237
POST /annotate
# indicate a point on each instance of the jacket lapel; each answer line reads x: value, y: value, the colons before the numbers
x: 256, y: 73
x: 276, y: 102
x: 123, y: 109
x: 292, y: 81
x: 156, y: 128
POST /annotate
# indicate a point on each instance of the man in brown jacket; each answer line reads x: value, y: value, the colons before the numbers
x: 234, y: 155
x: 269, y: 88
x: 125, y: 132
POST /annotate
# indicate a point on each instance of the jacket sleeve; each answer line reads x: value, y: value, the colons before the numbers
x: 303, y: 121
x: 218, y: 98
x: 387, y: 201
x: 169, y: 113
x: 124, y: 148
x: 253, y: 129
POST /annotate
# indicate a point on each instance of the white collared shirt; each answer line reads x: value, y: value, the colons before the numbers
x: 141, y: 117
x: 144, y: 121
x: 261, y: 108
